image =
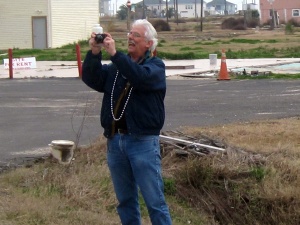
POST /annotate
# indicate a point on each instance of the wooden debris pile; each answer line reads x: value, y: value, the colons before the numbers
x: 183, y: 145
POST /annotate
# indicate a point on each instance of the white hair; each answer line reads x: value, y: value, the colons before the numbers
x: 150, y: 33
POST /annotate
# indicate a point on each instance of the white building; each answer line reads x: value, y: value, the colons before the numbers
x: 106, y: 8
x: 186, y: 8
x: 221, y: 7
x: 189, y: 8
x: 46, y: 23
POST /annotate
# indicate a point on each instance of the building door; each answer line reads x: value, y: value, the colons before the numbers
x: 39, y: 32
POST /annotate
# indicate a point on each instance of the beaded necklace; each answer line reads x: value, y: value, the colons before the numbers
x: 148, y: 54
x: 111, y: 100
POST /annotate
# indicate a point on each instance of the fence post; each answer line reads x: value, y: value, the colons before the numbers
x: 10, y: 65
x: 79, y: 60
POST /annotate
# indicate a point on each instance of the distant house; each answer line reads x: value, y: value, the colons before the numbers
x: 250, y: 6
x: 283, y: 10
x: 46, y: 23
x: 189, y: 8
x: 106, y: 8
x: 186, y: 8
x: 155, y: 8
x: 221, y: 7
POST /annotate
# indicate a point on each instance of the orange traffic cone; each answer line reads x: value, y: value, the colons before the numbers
x: 223, y: 74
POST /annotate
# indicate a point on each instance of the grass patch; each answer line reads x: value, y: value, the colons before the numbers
x: 252, y: 41
x: 185, y: 48
x: 255, y: 182
x: 183, y: 52
x: 211, y: 43
x: 243, y: 41
x: 180, y: 45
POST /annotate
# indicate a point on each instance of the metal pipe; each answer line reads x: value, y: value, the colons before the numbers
x: 192, y: 143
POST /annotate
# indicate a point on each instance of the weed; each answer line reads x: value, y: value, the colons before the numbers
x: 258, y: 173
x: 185, y: 49
x: 169, y: 186
x: 289, y: 28
x: 248, y: 41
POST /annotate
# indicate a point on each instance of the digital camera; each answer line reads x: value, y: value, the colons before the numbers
x: 100, y: 37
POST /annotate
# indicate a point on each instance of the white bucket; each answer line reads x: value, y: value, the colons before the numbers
x: 213, y: 61
x: 62, y: 150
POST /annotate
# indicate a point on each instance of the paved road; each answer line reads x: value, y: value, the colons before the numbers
x: 36, y: 111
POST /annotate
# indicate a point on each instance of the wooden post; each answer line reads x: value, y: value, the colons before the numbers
x: 10, y: 59
x: 79, y: 60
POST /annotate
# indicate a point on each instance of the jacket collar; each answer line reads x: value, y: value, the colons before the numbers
x: 146, y: 57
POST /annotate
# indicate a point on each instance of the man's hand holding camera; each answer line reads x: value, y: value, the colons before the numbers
x: 99, y: 41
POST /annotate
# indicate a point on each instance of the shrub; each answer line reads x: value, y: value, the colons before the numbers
x: 289, y: 28
x: 294, y: 22
x: 239, y: 27
x: 253, y: 23
x: 267, y: 23
x: 160, y: 25
x: 234, y: 24
x: 170, y: 187
x: 255, y: 14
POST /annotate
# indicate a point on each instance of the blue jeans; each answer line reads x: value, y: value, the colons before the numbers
x: 134, y: 162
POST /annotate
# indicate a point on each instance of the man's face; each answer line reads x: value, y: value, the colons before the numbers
x: 137, y: 42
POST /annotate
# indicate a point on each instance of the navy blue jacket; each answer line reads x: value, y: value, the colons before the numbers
x: 145, y: 111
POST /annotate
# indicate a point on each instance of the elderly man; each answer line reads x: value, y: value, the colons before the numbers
x: 132, y: 115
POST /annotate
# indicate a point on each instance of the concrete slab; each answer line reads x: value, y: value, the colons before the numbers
x: 203, y: 65
x: 61, y: 69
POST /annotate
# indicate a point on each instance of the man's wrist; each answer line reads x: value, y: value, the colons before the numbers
x: 114, y: 53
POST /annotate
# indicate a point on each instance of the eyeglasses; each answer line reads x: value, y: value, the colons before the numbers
x: 134, y: 34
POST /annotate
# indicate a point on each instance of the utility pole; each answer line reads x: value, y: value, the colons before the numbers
x: 245, y: 10
x: 167, y: 12
x: 174, y: 9
x: 144, y: 17
x: 177, y: 11
x: 273, y: 14
x: 128, y: 4
x: 116, y: 6
x: 201, y: 15
x: 196, y: 14
x: 160, y: 14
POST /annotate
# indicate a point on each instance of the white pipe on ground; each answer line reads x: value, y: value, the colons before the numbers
x: 192, y: 143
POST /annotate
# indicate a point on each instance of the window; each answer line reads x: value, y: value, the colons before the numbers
x: 296, y: 12
x: 188, y: 6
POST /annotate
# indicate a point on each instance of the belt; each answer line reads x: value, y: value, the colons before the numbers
x: 121, y: 131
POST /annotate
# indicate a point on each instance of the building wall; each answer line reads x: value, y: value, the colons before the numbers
x: 105, y: 7
x: 157, y: 7
x: 283, y: 8
x: 188, y: 10
x: 72, y: 20
x: 16, y: 22
x: 67, y: 21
